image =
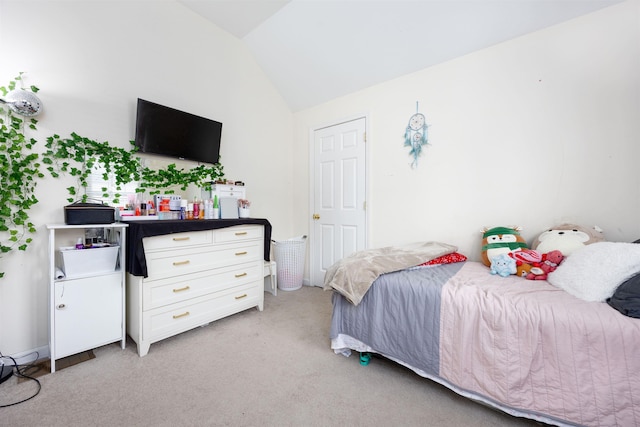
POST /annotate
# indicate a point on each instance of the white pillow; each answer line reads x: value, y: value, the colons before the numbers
x: 594, y: 272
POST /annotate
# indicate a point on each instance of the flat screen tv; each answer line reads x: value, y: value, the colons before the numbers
x: 169, y: 132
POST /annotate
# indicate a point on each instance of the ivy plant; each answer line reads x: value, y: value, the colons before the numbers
x: 79, y: 156
x: 19, y: 172
x: 21, y: 168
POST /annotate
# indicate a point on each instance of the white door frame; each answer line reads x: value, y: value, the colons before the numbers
x: 312, y: 164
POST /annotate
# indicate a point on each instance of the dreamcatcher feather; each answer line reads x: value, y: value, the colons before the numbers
x: 415, y: 136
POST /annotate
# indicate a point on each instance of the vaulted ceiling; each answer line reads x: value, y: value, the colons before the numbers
x: 317, y: 50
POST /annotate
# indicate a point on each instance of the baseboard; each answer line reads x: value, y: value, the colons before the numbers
x: 29, y: 356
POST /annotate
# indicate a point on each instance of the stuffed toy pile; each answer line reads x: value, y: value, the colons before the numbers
x: 506, y: 252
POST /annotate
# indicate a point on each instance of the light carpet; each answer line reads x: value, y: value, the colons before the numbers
x: 270, y: 368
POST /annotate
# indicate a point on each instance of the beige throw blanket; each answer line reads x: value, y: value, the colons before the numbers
x: 353, y: 275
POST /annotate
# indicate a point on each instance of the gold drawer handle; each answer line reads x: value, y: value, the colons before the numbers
x: 241, y: 233
x: 177, y: 316
x: 241, y: 253
x: 186, y: 288
x: 181, y: 262
x: 241, y: 275
x: 241, y: 296
x: 178, y: 239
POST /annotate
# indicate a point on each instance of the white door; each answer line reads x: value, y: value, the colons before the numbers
x: 338, y: 225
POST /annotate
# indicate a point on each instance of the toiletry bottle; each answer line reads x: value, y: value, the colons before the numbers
x: 183, y: 209
x: 196, y: 208
x: 209, y: 209
x: 151, y: 209
x: 201, y: 209
x: 216, y: 208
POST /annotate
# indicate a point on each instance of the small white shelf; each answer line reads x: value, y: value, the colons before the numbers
x: 87, y: 310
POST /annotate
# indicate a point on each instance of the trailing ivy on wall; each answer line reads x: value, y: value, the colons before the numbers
x: 79, y: 157
x: 19, y: 171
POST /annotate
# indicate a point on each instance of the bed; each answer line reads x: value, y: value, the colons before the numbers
x: 525, y: 347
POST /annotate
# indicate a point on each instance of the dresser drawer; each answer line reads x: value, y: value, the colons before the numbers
x: 233, y: 193
x: 238, y: 233
x: 177, y: 289
x: 178, y: 240
x: 223, y: 190
x: 166, y: 321
x: 165, y: 264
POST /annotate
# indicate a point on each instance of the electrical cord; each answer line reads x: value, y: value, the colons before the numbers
x: 19, y: 371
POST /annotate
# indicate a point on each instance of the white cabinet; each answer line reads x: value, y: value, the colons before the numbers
x: 87, y: 312
x: 86, y: 309
x: 225, y: 190
x: 194, y: 278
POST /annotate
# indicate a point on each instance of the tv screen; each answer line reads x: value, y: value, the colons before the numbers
x: 173, y: 133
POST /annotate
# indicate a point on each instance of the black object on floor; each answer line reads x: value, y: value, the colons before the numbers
x: 5, y: 373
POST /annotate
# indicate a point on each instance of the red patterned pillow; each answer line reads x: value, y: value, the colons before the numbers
x: 446, y: 259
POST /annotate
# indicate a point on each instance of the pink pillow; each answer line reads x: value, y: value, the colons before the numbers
x: 445, y: 259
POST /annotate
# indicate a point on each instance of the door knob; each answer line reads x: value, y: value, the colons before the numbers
x: 316, y: 216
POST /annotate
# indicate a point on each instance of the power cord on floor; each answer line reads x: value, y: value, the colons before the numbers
x: 19, y: 371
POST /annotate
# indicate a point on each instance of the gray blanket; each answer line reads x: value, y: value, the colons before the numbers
x: 353, y: 275
x: 399, y: 316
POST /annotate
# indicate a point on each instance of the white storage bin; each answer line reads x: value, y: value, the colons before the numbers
x: 290, y: 255
x: 84, y: 262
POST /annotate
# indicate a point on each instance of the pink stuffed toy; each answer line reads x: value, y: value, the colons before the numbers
x: 526, y: 256
x: 551, y: 260
x: 536, y: 266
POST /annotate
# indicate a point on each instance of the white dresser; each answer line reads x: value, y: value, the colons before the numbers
x: 194, y: 277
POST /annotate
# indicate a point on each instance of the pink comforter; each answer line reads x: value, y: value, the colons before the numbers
x: 531, y: 345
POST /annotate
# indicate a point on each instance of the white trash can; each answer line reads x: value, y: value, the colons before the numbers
x: 290, y: 256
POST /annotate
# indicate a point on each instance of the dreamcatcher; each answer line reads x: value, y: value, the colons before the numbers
x: 416, y: 136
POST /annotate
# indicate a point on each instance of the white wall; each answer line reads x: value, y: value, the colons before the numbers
x: 537, y: 131
x: 92, y: 60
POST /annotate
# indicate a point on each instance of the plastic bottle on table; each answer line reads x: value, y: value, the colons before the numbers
x: 196, y: 208
x: 183, y: 209
x: 215, y: 213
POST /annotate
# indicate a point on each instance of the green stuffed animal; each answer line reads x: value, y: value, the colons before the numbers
x: 500, y: 240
